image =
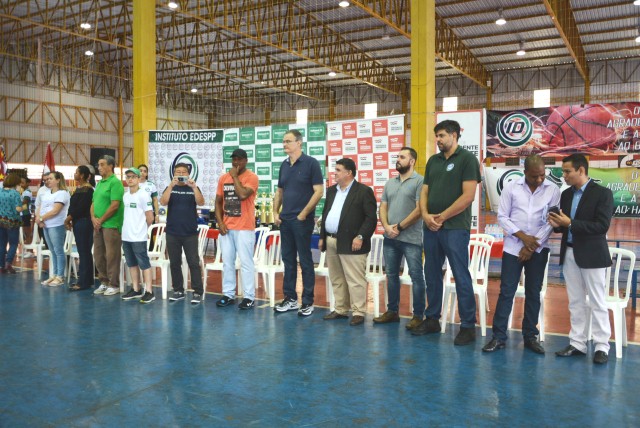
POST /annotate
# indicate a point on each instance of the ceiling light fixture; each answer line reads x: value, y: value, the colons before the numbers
x: 85, y: 26
x: 88, y: 52
x: 638, y: 37
x: 172, y: 5
x: 332, y: 73
x: 385, y: 34
x: 343, y: 3
x: 521, y: 51
x: 500, y: 20
x: 194, y: 90
x: 636, y: 3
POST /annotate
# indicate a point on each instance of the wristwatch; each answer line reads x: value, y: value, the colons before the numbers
x: 400, y: 228
x: 359, y: 237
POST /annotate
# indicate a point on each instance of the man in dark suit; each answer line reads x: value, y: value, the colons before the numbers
x: 348, y: 220
x: 586, y: 211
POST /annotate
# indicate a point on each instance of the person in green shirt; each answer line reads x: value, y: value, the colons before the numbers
x: 107, y: 214
x: 449, y: 188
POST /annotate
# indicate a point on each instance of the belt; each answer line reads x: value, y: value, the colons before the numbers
x: 332, y: 235
x: 570, y: 244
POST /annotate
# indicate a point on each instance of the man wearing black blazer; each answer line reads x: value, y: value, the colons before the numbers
x: 349, y: 219
x: 586, y: 211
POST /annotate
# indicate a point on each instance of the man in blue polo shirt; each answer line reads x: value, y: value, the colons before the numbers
x: 300, y: 187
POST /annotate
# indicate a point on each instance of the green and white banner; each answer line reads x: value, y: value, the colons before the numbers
x: 200, y: 149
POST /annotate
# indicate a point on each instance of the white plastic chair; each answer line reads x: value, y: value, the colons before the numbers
x: 520, y: 293
x: 73, y: 255
x: 215, y: 265
x: 375, y: 274
x: 35, y: 242
x: 617, y: 300
x: 271, y: 263
x: 260, y: 231
x: 162, y: 262
x: 323, y: 270
x: 479, y: 256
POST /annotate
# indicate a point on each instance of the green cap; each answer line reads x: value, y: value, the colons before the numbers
x: 136, y: 171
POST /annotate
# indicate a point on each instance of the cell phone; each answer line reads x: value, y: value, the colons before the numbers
x: 183, y: 178
x: 555, y: 210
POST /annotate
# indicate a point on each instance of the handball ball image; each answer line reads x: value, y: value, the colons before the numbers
x: 580, y: 128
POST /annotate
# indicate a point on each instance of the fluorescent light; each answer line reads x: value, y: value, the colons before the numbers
x: 194, y: 90
x: 343, y: 4
x: 332, y: 73
x: 172, y: 5
x: 638, y: 39
x: 88, y: 52
x: 521, y: 51
x: 500, y: 20
x: 85, y: 26
x: 636, y: 2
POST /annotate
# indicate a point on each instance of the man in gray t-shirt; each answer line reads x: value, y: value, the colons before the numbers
x: 400, y: 217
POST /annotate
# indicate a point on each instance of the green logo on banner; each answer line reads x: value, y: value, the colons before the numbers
x: 249, y: 153
x: 263, y: 153
x: 264, y: 187
x: 226, y: 152
x: 316, y: 132
x: 247, y: 135
x: 278, y: 152
x: 323, y: 169
x: 277, y: 133
x: 231, y: 136
x: 275, y: 170
x: 263, y: 135
x: 251, y: 166
x: 319, y: 207
x: 316, y: 151
x: 264, y: 171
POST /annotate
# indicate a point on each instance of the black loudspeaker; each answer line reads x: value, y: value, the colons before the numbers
x: 96, y: 153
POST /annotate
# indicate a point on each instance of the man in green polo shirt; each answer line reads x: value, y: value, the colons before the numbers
x: 449, y: 188
x: 107, y: 214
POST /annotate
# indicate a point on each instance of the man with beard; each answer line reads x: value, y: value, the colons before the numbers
x: 450, y: 181
x: 400, y: 217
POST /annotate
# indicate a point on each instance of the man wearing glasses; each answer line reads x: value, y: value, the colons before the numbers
x: 300, y: 187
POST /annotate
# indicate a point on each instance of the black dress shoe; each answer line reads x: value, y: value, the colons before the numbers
x: 533, y: 344
x: 493, y: 345
x: 569, y: 351
x: 600, y: 357
x: 427, y: 326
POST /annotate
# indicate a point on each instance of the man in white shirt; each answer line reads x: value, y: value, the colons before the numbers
x: 138, y: 215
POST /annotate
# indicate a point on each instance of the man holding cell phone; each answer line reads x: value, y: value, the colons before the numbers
x: 524, y: 206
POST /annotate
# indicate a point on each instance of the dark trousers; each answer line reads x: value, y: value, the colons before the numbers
x: 534, y: 276
x: 454, y: 245
x: 175, y: 245
x: 83, y: 232
x: 296, y: 244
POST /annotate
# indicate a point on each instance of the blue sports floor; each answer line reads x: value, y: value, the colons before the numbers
x: 72, y: 359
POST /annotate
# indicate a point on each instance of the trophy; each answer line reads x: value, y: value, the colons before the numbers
x: 263, y: 209
x: 270, y: 204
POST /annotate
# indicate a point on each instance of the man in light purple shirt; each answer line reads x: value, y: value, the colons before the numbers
x: 524, y: 206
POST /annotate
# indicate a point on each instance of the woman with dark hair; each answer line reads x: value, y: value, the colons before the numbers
x: 51, y: 215
x: 10, y: 208
x: 79, y: 219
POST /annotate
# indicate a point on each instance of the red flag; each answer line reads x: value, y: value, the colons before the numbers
x: 3, y: 165
x: 49, y: 164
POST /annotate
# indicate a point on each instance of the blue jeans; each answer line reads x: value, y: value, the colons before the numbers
x: 454, y: 245
x: 534, y: 276
x: 83, y: 232
x: 296, y: 241
x: 8, y: 236
x: 55, y: 241
x: 393, y: 251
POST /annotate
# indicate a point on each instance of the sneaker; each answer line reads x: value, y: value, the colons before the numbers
x: 246, y: 304
x: 177, y: 295
x: 305, y: 310
x: 147, y: 298
x: 132, y: 294
x: 56, y: 281
x: 196, y: 298
x: 45, y: 282
x: 415, y: 321
x: 465, y: 336
x: 29, y: 256
x: 111, y: 291
x: 387, y: 317
x: 225, y: 301
x: 99, y: 290
x: 286, y: 305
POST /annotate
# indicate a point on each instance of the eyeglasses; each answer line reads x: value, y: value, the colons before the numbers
x: 288, y: 141
x: 129, y: 177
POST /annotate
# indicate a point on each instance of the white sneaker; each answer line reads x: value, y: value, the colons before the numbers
x: 101, y: 289
x: 111, y: 291
x: 29, y: 256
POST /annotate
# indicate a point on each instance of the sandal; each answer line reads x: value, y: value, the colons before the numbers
x: 56, y: 282
x: 77, y: 287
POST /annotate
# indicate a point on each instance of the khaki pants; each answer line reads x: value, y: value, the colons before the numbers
x: 107, y: 253
x: 348, y: 279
